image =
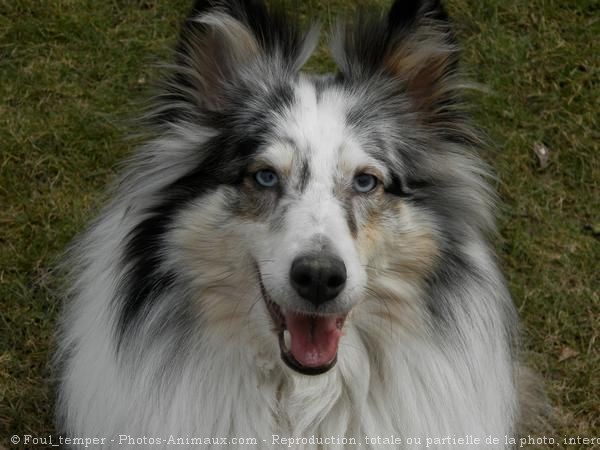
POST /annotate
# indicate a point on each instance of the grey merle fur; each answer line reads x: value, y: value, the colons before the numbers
x: 244, y: 120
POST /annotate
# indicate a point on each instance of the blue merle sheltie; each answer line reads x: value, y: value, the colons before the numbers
x: 299, y: 255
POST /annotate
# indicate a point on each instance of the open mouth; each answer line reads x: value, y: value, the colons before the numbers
x: 308, y: 343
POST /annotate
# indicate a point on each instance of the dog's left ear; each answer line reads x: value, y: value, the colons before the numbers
x: 413, y: 44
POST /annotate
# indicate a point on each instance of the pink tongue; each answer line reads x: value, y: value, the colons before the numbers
x: 314, y: 339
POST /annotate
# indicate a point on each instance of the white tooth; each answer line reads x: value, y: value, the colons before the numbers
x: 287, y: 339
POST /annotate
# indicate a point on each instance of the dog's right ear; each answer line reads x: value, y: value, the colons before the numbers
x: 226, y: 42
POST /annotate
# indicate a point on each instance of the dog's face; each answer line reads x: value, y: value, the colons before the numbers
x: 316, y: 202
x: 323, y: 214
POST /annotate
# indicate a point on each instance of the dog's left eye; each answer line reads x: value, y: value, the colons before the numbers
x: 364, y: 183
x: 266, y: 178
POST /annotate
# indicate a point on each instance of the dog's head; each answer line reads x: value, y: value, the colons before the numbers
x: 316, y: 202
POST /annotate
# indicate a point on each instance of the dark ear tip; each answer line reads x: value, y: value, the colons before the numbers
x: 201, y: 6
x: 405, y: 12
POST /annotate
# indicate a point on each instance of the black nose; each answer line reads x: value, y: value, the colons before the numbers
x: 318, y: 278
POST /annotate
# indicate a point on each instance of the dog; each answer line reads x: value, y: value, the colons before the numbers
x: 296, y: 260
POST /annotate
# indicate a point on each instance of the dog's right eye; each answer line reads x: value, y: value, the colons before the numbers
x: 266, y: 178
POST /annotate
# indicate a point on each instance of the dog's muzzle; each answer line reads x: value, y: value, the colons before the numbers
x: 309, y: 342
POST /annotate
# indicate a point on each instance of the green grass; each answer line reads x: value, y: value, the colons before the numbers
x: 73, y: 71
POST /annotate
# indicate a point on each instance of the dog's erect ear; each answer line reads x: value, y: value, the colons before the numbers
x: 413, y: 44
x: 224, y: 42
x: 274, y: 31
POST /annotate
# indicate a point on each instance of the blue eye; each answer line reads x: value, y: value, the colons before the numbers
x: 266, y: 178
x: 364, y: 183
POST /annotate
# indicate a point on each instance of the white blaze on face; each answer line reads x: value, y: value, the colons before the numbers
x: 314, y: 131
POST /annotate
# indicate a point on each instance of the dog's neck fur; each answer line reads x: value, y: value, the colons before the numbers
x: 407, y: 389
x: 385, y: 383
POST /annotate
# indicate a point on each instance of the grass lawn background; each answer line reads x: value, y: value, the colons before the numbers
x: 72, y: 72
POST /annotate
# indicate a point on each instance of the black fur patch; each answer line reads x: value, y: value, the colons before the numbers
x: 144, y: 251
